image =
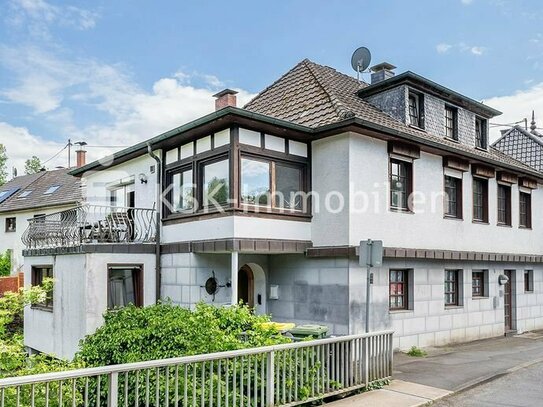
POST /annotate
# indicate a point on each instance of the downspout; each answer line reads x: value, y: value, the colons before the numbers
x: 158, y: 219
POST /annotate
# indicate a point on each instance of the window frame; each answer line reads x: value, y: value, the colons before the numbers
x: 480, y: 277
x: 484, y: 200
x: 201, y: 176
x: 169, y: 179
x: 405, y: 289
x: 418, y: 108
x: 458, y: 199
x: 528, y: 279
x: 138, y: 282
x: 36, y: 279
x: 481, y: 136
x: 451, y: 123
x: 408, y: 185
x: 525, y: 216
x: 503, y: 205
x: 7, y: 223
x: 455, y: 285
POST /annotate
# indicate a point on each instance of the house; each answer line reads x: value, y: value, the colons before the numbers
x: 33, y: 196
x: 267, y: 204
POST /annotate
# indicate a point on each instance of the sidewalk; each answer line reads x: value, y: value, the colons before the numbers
x: 418, y: 381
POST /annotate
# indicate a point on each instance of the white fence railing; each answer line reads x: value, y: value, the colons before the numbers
x: 281, y: 375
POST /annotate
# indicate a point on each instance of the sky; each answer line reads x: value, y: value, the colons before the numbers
x: 113, y: 72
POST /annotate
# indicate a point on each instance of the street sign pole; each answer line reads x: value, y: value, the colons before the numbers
x: 371, y: 255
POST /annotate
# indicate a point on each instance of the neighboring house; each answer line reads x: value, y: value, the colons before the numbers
x: 403, y: 160
x: 523, y: 145
x: 33, y: 196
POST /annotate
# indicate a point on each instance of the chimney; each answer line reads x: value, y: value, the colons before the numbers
x: 225, y: 98
x: 80, y: 154
x: 381, y: 72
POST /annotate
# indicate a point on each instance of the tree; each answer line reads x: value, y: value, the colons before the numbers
x: 3, y: 167
x: 33, y: 165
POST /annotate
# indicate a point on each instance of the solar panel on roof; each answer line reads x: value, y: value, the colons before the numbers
x: 7, y: 193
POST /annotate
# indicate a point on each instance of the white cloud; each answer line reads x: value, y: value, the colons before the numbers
x: 443, y: 48
x: 516, y: 107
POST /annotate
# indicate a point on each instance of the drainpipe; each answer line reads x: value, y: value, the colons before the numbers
x: 158, y: 218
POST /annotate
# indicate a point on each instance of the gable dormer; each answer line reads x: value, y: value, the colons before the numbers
x: 428, y: 106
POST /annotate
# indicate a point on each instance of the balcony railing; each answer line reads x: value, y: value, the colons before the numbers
x: 91, y: 224
x: 282, y: 375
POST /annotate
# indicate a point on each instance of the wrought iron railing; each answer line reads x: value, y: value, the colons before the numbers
x: 281, y: 375
x: 91, y: 224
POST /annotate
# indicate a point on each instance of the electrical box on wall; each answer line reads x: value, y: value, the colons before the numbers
x: 274, y: 292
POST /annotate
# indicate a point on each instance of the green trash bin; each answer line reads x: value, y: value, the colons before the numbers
x: 301, y: 332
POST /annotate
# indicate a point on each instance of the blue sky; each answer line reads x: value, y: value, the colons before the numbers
x: 115, y: 72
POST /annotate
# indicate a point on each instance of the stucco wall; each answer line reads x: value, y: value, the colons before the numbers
x: 79, y: 299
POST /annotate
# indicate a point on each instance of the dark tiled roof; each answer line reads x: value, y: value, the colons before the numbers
x: 314, y: 95
x: 523, y: 146
x: 69, y: 191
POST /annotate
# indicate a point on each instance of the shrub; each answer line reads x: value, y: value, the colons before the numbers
x: 416, y: 352
x: 5, y: 263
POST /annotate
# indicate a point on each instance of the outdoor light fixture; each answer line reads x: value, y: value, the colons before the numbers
x: 143, y: 178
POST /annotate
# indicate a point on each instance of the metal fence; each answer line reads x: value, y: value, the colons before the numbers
x: 91, y: 224
x: 282, y: 375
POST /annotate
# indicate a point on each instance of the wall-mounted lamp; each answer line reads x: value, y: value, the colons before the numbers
x: 143, y: 178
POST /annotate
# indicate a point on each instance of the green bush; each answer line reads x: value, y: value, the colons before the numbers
x: 5, y: 263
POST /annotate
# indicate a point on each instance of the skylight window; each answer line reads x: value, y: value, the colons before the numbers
x: 51, y: 189
x: 24, y: 194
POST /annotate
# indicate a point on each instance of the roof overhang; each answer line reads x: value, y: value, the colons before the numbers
x: 421, y: 83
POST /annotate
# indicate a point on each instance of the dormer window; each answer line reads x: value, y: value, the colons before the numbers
x: 480, y: 133
x: 416, y: 113
x: 451, y: 122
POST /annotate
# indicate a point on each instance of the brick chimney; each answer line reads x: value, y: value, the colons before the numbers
x: 225, y: 98
x: 81, y: 158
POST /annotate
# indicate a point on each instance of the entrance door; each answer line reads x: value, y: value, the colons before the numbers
x: 507, y: 301
x: 246, y: 286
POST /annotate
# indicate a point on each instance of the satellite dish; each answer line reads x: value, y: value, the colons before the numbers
x: 360, y: 60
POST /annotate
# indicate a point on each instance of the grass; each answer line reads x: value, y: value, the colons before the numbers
x: 416, y: 352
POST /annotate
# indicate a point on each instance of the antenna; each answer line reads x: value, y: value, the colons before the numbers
x: 360, y: 60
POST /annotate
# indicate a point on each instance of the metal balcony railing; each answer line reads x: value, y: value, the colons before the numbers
x: 91, y: 224
x: 281, y: 375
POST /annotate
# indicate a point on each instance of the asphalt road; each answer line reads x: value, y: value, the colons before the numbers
x: 522, y: 388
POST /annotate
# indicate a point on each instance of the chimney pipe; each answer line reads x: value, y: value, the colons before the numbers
x: 381, y: 72
x: 225, y: 98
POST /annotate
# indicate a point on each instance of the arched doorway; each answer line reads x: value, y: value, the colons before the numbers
x: 246, y: 289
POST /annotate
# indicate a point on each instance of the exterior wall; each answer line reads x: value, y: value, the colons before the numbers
x: 428, y: 322
x: 96, y: 182
x: 12, y: 240
x: 79, y: 299
x: 426, y: 228
x: 392, y: 101
x: 237, y: 227
x: 310, y: 291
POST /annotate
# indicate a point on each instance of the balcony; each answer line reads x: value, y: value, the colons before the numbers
x: 91, y: 224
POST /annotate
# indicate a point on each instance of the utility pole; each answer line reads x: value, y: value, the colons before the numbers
x: 69, y: 153
x: 370, y: 254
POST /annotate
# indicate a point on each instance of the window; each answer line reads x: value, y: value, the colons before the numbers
x: 182, y: 191
x: 480, y: 200
x: 451, y: 122
x: 216, y: 185
x: 525, y: 210
x: 400, y: 184
x: 288, y: 185
x: 451, y: 287
x: 255, y: 181
x: 416, y: 110
x: 24, y: 194
x: 125, y: 286
x: 40, y: 273
x: 480, y: 133
x: 51, y: 189
x: 528, y: 281
x: 478, y: 284
x: 398, y: 287
x: 453, y: 197
x: 122, y: 196
x: 11, y: 224
x: 504, y: 205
